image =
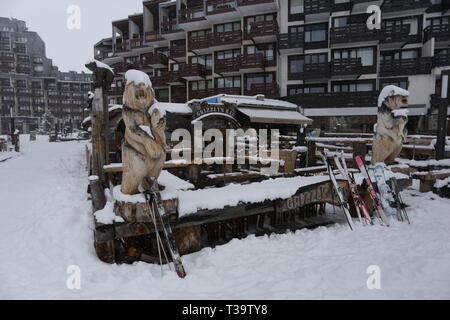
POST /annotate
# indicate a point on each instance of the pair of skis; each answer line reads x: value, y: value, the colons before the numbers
x: 157, y: 213
x: 358, y: 201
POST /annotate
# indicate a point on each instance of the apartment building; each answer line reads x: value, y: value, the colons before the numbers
x: 30, y: 85
x: 318, y: 54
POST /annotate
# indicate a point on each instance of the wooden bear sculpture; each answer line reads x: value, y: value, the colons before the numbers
x: 390, y: 131
x: 143, y: 152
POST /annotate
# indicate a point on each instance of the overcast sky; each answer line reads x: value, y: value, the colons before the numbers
x: 70, y: 49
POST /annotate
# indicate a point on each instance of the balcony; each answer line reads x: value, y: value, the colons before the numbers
x: 120, y: 67
x: 5, y: 56
x: 251, y: 62
x: 406, y: 67
x: 350, y: 66
x: 193, y: 19
x: 317, y: 6
x: 170, y: 30
x: 353, y: 33
x: 336, y: 99
x: 291, y: 42
x: 405, y: 5
x: 200, y: 94
x: 316, y: 71
x: 440, y: 32
x: 154, y: 37
x: 227, y: 66
x: 235, y: 91
x: 116, y: 91
x: 396, y: 34
x: 178, y: 98
x: 270, y: 90
x: 177, y: 53
x: 120, y: 47
x: 221, y: 10
x: 252, y: 7
x: 192, y: 71
x: 23, y: 92
x: 264, y: 31
x: 137, y: 43
x: 153, y: 60
x: 224, y: 40
x: 441, y: 60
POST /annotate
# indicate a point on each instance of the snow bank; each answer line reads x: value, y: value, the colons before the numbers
x: 119, y: 196
x: 137, y: 77
x: 172, y: 185
x: 232, y: 195
x: 107, y: 215
x: 390, y: 91
x: 425, y: 163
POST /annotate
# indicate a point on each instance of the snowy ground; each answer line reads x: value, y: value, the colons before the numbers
x: 46, y: 227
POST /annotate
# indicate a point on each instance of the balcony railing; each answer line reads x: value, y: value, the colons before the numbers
x: 136, y: 43
x: 442, y: 60
x: 291, y: 40
x: 317, y: 6
x: 402, y: 5
x: 335, y: 99
x: 268, y: 89
x: 116, y: 91
x: 440, y: 32
x: 178, y: 98
x: 346, y: 66
x: 220, y: 6
x: 261, y: 29
x: 252, y: 2
x: 215, y: 39
x: 192, y: 14
x: 161, y: 80
x: 236, y: 91
x: 150, y: 59
x: 192, y: 70
x: 406, y: 67
x: 395, y: 33
x: 251, y: 61
x: 153, y: 36
x: 103, y: 55
x: 177, y: 51
x: 203, y: 93
x: 169, y: 27
x: 120, y: 47
x: 227, y: 65
x: 353, y: 33
x: 316, y: 71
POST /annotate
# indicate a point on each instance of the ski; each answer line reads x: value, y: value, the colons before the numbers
x: 358, y: 201
x: 157, y: 204
x: 370, y: 188
x: 400, y: 205
x: 343, y: 203
x: 385, y: 192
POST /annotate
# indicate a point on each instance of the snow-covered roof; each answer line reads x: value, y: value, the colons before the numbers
x: 390, y: 91
x: 178, y: 108
x: 259, y: 100
x: 275, y: 116
x: 356, y: 111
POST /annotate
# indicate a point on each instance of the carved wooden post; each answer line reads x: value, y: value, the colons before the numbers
x: 312, y: 161
x: 97, y: 194
x: 103, y: 77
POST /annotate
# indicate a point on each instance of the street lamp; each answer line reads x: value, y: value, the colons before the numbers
x: 442, y: 117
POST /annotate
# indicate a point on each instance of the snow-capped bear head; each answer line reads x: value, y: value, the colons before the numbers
x: 393, y: 98
x: 139, y: 94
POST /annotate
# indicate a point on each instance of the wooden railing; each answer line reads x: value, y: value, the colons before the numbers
x: 291, y: 40
x: 220, y: 6
x: 395, y: 33
x: 406, y: 67
x: 441, y: 32
x: 261, y: 29
x: 215, y: 39
x: 192, y: 14
x: 353, y: 33
x: 270, y: 90
x: 335, y: 99
x: 317, y: 6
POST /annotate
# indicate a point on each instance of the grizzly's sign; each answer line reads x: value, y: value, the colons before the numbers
x: 323, y: 193
x: 212, y: 109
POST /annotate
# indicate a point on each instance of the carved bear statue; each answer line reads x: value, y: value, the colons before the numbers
x: 390, y: 130
x: 143, y: 152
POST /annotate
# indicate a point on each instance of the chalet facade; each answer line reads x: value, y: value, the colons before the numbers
x: 30, y: 85
x: 318, y: 54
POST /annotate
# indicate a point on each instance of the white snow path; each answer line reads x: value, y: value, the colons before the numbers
x: 46, y: 227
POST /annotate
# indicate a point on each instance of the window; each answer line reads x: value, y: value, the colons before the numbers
x: 200, y: 33
x: 267, y: 50
x: 228, y: 54
x: 400, y: 55
x: 353, y: 86
x: 399, y: 82
x: 438, y: 21
x: 201, y: 85
x: 303, y: 89
x: 316, y: 33
x: 261, y: 18
x: 203, y: 60
x: 258, y: 78
x: 228, y: 82
x: 316, y: 58
x: 295, y: 67
x: 365, y: 54
x: 227, y: 27
x: 296, y: 9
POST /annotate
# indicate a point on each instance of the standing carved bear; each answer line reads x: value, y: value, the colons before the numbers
x: 143, y: 152
x: 390, y: 130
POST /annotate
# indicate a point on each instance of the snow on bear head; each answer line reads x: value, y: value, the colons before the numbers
x: 393, y: 98
x: 138, y: 93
